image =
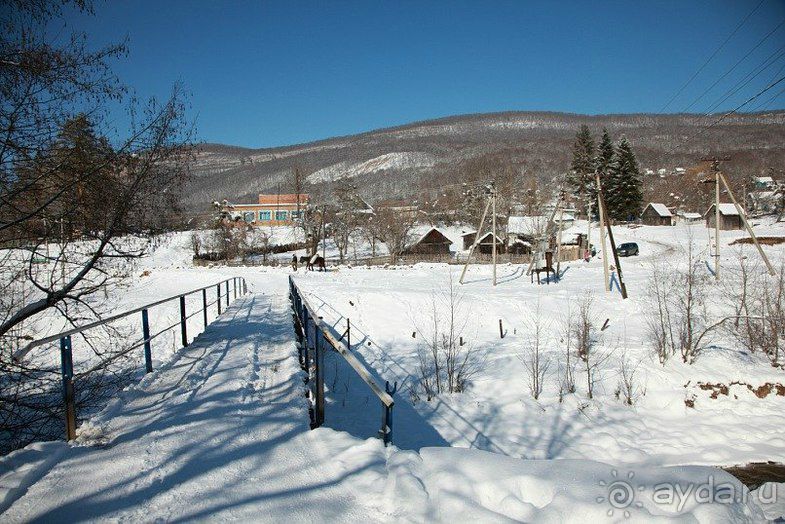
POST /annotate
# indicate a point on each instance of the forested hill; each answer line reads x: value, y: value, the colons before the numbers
x: 402, y: 161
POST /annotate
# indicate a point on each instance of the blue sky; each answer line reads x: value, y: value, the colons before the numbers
x: 275, y: 73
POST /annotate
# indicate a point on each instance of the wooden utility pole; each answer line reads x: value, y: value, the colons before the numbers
x: 716, y: 222
x: 558, y: 241
x: 493, y: 204
x: 476, y: 241
x: 715, y: 167
x: 601, y: 211
x: 740, y: 211
x: 588, y: 232
x: 607, y: 224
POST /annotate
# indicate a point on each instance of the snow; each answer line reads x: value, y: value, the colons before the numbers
x: 661, y: 209
x: 389, y: 161
x: 727, y: 209
x: 220, y: 430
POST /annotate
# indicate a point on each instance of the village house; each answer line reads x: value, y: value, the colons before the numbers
x: 271, y: 210
x: 432, y: 242
x: 764, y: 183
x: 656, y: 214
x: 485, y: 245
x: 729, y: 217
x: 764, y: 202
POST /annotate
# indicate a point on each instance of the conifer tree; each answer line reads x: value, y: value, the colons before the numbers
x: 624, y: 196
x: 603, y: 164
x: 582, y: 167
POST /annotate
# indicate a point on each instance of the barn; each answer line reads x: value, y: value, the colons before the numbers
x: 656, y: 214
x: 432, y: 242
x: 729, y: 217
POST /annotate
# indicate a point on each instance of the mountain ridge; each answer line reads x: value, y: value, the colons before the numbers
x: 405, y: 160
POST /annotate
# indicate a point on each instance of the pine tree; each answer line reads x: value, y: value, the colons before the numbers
x: 582, y: 168
x: 603, y: 164
x: 624, y: 195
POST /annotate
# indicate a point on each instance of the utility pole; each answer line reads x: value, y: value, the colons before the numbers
x: 324, y: 231
x: 588, y: 233
x: 558, y: 239
x: 715, y: 167
x: 493, y: 204
x: 477, y: 239
x: 607, y: 224
x: 601, y: 211
x: 741, y: 213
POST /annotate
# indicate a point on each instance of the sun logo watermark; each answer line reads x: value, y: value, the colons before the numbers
x: 620, y: 494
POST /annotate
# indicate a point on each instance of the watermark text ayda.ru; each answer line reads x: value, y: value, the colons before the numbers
x: 625, y: 494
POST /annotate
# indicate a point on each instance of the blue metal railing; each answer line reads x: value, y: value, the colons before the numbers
x: 313, y: 335
x: 238, y: 288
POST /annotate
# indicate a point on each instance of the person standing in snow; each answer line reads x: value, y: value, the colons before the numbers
x: 614, y: 279
x: 294, y: 262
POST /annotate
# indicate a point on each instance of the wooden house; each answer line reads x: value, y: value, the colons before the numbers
x: 729, y: 217
x: 432, y: 242
x: 656, y: 214
x: 485, y: 246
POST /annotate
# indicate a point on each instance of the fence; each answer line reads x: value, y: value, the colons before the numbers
x: 313, y: 338
x: 223, y: 295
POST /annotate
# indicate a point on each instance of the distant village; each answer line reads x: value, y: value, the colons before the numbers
x: 422, y: 235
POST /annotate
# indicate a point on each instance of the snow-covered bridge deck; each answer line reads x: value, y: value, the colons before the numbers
x: 219, y: 432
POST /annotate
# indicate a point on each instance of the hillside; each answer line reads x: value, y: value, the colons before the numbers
x: 403, y: 161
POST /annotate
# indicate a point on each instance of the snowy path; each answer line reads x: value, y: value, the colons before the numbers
x: 220, y: 432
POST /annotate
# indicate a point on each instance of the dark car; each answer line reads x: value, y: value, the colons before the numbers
x: 628, y: 249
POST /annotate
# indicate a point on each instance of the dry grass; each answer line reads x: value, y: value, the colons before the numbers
x: 767, y: 241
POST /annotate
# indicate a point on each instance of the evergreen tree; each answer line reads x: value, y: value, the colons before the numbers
x: 582, y: 167
x: 624, y: 194
x: 603, y: 164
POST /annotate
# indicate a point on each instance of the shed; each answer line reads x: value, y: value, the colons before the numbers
x: 729, y: 217
x: 486, y: 244
x: 688, y: 217
x: 468, y: 239
x: 656, y: 214
x: 432, y: 242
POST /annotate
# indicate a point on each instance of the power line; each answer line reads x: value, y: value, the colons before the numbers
x: 710, y: 58
x: 734, y: 66
x: 755, y: 72
x: 745, y: 81
x: 726, y: 115
x: 765, y: 104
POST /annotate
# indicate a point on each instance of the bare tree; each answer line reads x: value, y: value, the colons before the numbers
x: 758, y: 302
x: 76, y: 203
x: 535, y: 362
x: 677, y: 320
x: 628, y: 386
x: 567, y: 365
x: 394, y: 230
x: 587, y: 342
x: 445, y: 362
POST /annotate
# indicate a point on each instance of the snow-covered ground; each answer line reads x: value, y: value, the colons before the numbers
x: 219, y: 431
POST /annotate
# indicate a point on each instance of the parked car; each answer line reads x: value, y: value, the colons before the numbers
x: 627, y: 249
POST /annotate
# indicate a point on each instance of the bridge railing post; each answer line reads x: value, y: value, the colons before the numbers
x: 227, y: 293
x: 218, y: 297
x: 148, y: 353
x: 67, y: 370
x: 319, y: 380
x: 204, y: 307
x: 183, y: 320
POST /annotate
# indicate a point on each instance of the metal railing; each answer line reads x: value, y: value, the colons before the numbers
x: 313, y: 337
x: 222, y: 301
